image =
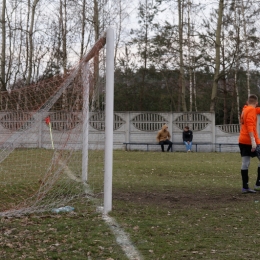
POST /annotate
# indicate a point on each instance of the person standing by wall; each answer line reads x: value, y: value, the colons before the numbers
x: 187, y: 137
x: 163, y: 137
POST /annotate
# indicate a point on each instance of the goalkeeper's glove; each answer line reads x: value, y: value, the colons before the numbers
x: 253, y: 142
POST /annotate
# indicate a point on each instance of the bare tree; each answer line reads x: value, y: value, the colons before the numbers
x: 246, y: 46
x: 119, y: 22
x: 189, y: 55
x: 217, y: 56
x: 30, y: 39
x: 83, y: 26
x: 237, y: 61
x: 3, y: 55
x: 63, y: 31
x: 182, y: 79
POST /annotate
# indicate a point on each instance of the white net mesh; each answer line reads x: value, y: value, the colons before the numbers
x: 41, y: 139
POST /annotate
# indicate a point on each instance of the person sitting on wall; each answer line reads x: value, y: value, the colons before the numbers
x: 187, y: 137
x: 163, y: 137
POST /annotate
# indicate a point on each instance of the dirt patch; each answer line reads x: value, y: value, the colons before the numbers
x: 184, y: 199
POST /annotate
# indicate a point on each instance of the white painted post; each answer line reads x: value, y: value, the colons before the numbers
x: 85, y: 117
x: 109, y: 120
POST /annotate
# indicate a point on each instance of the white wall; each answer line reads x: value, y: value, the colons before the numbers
x: 129, y: 127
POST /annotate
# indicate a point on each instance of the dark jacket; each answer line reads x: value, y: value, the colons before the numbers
x: 187, y: 136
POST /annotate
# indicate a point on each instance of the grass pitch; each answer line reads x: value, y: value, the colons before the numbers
x: 173, y: 206
x: 187, y: 206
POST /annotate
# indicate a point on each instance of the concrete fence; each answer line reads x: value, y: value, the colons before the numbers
x: 129, y: 127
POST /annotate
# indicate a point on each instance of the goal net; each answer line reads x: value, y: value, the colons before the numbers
x: 52, y: 137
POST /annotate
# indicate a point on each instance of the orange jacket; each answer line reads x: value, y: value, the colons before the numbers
x: 249, y: 124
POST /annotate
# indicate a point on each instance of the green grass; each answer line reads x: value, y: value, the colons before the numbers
x: 173, y: 206
x: 186, y: 206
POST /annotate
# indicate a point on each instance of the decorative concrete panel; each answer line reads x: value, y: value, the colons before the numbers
x: 128, y: 127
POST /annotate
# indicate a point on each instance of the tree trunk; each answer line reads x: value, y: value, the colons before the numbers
x: 145, y: 58
x: 119, y: 30
x: 225, y: 92
x: 83, y: 26
x: 237, y: 96
x: 247, y: 51
x: 182, y: 83
x: 63, y: 26
x: 96, y: 23
x: 233, y: 104
x: 225, y: 110
x: 217, y: 56
x: 27, y: 40
x: 236, y: 93
x: 3, y: 54
x: 189, y: 57
x: 194, y: 90
x: 64, y: 35
x: 31, y: 47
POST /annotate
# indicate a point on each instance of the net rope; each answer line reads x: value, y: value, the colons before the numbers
x: 37, y: 174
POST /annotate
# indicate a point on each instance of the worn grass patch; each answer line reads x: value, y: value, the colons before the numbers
x: 77, y: 235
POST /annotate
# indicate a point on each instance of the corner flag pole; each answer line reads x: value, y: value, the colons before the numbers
x: 48, y: 122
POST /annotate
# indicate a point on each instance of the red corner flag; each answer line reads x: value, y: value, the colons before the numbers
x: 47, y: 120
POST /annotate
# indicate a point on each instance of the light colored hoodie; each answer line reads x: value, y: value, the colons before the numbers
x: 163, y: 134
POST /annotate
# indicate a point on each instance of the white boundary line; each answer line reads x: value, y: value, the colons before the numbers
x: 122, y: 238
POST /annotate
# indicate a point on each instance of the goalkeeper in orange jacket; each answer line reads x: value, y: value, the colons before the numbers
x: 249, y: 142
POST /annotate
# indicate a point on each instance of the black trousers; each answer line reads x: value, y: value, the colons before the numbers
x: 162, y: 143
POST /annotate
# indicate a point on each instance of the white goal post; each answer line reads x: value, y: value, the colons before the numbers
x: 109, y: 121
x: 107, y: 39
